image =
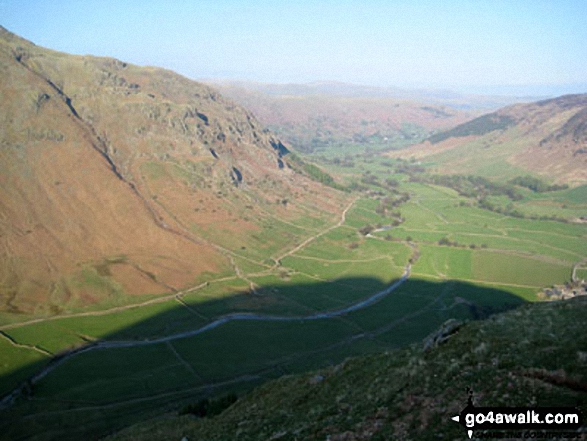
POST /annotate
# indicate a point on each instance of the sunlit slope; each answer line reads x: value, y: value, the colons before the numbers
x: 119, y: 180
x: 547, y: 138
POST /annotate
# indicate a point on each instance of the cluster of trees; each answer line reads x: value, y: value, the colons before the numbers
x: 479, y: 126
x: 445, y: 241
x: 369, y: 178
x: 410, y: 169
x: 470, y: 186
x: 536, y: 185
x: 367, y: 229
x: 388, y: 204
x: 313, y: 172
x: 509, y: 210
x: 209, y: 408
x: 347, y: 161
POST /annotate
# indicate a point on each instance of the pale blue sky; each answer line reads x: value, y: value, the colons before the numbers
x: 481, y: 45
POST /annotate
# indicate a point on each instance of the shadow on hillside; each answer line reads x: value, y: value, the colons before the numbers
x: 96, y: 389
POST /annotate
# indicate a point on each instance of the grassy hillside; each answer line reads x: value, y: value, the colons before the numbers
x: 545, y: 138
x: 532, y: 356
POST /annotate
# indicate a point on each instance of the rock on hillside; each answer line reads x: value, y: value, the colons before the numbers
x: 113, y: 177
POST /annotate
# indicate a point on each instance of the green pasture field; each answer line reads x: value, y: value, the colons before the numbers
x: 17, y: 364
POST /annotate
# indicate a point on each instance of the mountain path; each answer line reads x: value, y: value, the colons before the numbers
x: 317, y: 235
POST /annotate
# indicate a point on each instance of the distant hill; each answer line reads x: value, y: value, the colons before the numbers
x: 547, y: 138
x: 321, y: 116
x: 439, y: 97
x: 115, y: 178
x: 532, y: 356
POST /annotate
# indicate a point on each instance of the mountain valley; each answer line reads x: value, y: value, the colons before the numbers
x: 288, y: 259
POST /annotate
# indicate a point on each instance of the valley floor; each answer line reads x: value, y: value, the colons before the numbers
x: 334, y: 292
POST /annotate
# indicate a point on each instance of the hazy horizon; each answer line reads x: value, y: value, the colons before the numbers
x: 524, y: 48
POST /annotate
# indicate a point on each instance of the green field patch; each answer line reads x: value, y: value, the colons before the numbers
x: 51, y: 336
x: 439, y: 206
x: 382, y: 268
x: 363, y: 213
x: 344, y: 246
x: 286, y: 294
x: 17, y: 364
x: 475, y: 214
x: 542, y: 225
x: 153, y: 170
x: 271, y: 239
x: 400, y: 252
x: 427, y: 191
x: 512, y: 269
x: 122, y: 373
x: 577, y: 195
x: 137, y: 323
x: 310, y: 221
x: 550, y: 204
x: 322, y: 248
x: 247, y: 266
x: 94, y: 281
x: 408, y: 331
x: 516, y: 246
x: 476, y: 228
x: 214, y: 300
x: 343, y: 234
x: 418, y: 217
x: 444, y: 262
x: 416, y: 235
x: 396, y: 306
x: 581, y: 273
x: 335, y: 355
x: 576, y: 244
x: 247, y: 347
x: 321, y: 296
x: 519, y: 294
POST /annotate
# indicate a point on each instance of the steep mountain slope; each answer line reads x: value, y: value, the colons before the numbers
x: 311, y: 118
x: 115, y: 178
x: 548, y: 138
x: 532, y: 356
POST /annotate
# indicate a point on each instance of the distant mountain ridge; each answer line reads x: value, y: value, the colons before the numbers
x: 441, y: 97
x: 315, y: 116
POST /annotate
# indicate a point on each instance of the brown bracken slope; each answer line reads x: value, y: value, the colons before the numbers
x: 111, y: 175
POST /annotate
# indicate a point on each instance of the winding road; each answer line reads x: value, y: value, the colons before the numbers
x: 60, y: 359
